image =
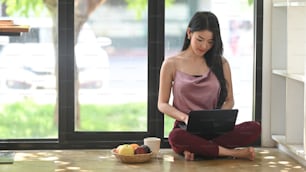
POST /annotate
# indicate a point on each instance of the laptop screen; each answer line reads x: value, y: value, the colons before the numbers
x: 211, y: 123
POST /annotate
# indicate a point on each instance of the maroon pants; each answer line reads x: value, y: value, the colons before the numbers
x: 243, y: 134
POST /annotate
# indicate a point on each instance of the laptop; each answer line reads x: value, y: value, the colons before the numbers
x: 211, y: 123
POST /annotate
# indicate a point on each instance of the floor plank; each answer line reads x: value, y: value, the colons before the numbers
x: 103, y: 160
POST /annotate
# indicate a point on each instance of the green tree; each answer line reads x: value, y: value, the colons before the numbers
x: 139, y: 6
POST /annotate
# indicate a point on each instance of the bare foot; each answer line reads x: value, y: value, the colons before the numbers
x: 189, y: 156
x: 245, y: 153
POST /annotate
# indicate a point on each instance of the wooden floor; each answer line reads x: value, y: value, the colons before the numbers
x: 268, y: 160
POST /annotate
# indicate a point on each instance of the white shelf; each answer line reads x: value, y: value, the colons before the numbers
x: 289, y: 3
x: 293, y: 76
x: 296, y: 151
x: 288, y: 91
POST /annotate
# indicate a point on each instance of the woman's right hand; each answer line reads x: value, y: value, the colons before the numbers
x: 186, y: 119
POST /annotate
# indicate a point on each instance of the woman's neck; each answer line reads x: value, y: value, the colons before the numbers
x: 191, y: 56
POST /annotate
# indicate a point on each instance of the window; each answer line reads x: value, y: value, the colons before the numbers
x: 236, y: 19
x: 27, y: 79
x: 100, y: 77
x: 114, y: 72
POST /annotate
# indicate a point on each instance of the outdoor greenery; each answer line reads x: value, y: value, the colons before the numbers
x: 24, y: 8
x: 27, y: 119
x: 119, y: 117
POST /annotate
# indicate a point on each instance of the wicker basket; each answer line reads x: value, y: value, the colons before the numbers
x: 138, y: 158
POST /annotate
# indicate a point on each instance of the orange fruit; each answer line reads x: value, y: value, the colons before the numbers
x: 134, y: 145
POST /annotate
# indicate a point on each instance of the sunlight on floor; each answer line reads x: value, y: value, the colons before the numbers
x: 167, y: 160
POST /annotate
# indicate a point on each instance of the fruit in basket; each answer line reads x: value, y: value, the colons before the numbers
x: 134, y: 145
x: 140, y: 150
x: 143, y: 149
x: 147, y: 148
x: 125, y: 149
x: 117, y: 148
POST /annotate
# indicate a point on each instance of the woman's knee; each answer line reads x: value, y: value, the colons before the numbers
x: 256, y: 127
x: 176, y: 135
x: 175, y: 139
x: 253, y: 126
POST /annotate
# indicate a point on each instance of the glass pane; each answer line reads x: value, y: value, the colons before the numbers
x: 236, y: 22
x: 27, y: 74
x: 111, y: 56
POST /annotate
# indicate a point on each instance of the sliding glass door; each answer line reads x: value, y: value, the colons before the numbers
x: 87, y: 73
x: 104, y: 75
x: 112, y: 66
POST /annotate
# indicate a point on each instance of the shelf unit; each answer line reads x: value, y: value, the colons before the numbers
x: 288, y: 102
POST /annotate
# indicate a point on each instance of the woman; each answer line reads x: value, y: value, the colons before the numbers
x: 200, y: 78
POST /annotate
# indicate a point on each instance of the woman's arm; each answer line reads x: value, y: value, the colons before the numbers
x: 229, y: 100
x: 165, y: 85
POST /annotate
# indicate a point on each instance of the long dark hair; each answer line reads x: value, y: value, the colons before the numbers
x: 208, y: 21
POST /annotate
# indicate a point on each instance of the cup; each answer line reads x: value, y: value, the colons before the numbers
x: 153, y: 143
